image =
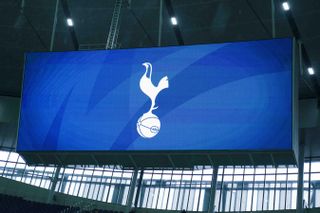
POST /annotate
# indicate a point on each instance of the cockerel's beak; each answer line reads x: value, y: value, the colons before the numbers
x: 148, y: 69
x: 146, y: 64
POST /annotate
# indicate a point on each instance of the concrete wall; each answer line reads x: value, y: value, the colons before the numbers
x: 33, y: 193
x: 9, y: 109
x: 28, y: 192
x: 9, y: 114
x: 309, y: 115
x: 310, y: 122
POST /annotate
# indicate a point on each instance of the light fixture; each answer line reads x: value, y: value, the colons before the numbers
x: 69, y: 22
x: 286, y: 6
x: 310, y: 71
x: 174, y: 21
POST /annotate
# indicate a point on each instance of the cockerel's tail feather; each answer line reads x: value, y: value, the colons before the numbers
x: 163, y: 83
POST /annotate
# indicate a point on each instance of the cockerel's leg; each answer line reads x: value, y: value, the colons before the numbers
x: 153, y: 107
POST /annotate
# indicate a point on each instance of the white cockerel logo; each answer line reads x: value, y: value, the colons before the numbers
x: 149, y: 88
x: 148, y: 124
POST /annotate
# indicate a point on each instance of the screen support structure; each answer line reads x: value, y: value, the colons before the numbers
x: 300, y: 207
x: 54, y: 26
x: 211, y: 208
x: 132, y: 190
x: 273, y: 14
x: 301, y: 150
x: 138, y: 189
x: 160, y: 23
x: 114, y: 26
x: 57, y: 171
x: 54, y: 184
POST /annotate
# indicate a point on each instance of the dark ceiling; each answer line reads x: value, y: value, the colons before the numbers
x: 27, y: 26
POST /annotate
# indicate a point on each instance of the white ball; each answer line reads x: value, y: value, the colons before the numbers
x: 148, y: 125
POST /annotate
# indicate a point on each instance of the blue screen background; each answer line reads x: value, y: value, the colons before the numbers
x: 230, y: 96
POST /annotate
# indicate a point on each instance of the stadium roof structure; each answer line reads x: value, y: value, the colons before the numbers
x: 27, y: 26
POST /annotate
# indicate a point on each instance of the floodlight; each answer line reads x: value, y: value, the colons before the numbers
x: 310, y: 71
x: 174, y: 21
x: 69, y: 22
x: 286, y: 6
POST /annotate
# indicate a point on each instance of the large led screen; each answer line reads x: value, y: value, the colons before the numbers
x: 228, y: 96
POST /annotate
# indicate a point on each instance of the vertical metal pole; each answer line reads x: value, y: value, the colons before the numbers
x: 83, y: 171
x: 273, y: 19
x: 132, y: 188
x: 149, y: 189
x: 71, y: 179
x: 200, y: 189
x: 87, y: 195
x: 309, y: 185
x: 301, y: 151
x: 119, y: 189
x: 242, y: 187
x: 42, y: 175
x: 300, y: 174
x: 100, y: 184
x: 54, y: 25
x: 275, y: 189
x: 5, y: 165
x: 54, y: 184
x: 160, y: 23
x: 190, y: 188
x: 15, y: 165
x: 221, y: 190
x: 110, y: 184
x: 231, y: 191
x: 264, y: 186
x: 179, y: 190
x: 213, y: 189
x: 253, y: 188
x: 62, y: 180
x: 139, y: 189
x: 24, y: 172
x: 31, y: 178
x: 169, y: 190
x: 286, y: 192
x: 160, y: 185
